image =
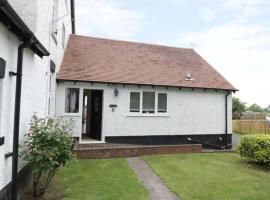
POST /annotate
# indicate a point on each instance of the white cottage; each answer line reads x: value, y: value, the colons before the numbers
x: 136, y: 93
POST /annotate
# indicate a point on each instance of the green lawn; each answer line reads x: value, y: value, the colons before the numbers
x: 213, y: 176
x: 104, y: 179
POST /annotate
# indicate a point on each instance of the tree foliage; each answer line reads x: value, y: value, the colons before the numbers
x: 255, y: 108
x: 238, y: 106
x: 48, y: 146
x: 267, y: 109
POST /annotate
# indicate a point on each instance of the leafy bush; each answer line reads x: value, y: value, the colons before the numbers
x: 48, y: 146
x: 255, y: 148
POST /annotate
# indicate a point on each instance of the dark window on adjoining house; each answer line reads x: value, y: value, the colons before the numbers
x: 72, y: 100
x: 64, y: 36
x: 148, y: 102
x: 134, y: 102
x: 162, y: 102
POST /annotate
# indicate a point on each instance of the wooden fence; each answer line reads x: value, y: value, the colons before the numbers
x: 251, y: 126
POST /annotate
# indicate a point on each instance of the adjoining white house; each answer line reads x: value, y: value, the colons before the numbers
x: 136, y: 93
x: 33, y: 37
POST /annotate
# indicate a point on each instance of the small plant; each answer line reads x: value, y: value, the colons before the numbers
x: 255, y: 148
x: 48, y: 146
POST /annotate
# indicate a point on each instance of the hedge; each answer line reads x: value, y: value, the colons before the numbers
x: 255, y: 148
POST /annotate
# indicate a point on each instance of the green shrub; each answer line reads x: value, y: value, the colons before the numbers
x: 48, y: 146
x: 255, y: 148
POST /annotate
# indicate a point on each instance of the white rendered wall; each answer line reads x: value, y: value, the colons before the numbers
x: 33, y: 96
x: 27, y: 10
x: 189, y: 112
x: 8, y: 46
x: 57, y: 48
x: 35, y: 79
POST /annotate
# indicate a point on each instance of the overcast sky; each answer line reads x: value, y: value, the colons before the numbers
x: 232, y: 35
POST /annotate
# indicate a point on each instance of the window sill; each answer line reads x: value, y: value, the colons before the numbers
x: 147, y: 115
x: 70, y: 115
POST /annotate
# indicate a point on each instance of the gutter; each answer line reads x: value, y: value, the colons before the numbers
x: 59, y: 80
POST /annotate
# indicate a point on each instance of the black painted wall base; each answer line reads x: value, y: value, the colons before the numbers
x: 212, y: 141
x: 24, y: 179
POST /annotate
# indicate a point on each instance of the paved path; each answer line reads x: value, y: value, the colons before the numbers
x: 236, y: 138
x: 156, y: 187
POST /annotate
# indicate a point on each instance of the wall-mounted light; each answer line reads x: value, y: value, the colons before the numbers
x: 116, y: 92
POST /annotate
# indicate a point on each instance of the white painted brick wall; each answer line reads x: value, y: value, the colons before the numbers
x: 8, y: 46
x: 33, y: 96
x: 28, y: 10
x: 189, y: 112
x: 35, y: 75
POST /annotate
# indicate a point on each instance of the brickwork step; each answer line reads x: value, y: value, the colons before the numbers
x: 114, y: 151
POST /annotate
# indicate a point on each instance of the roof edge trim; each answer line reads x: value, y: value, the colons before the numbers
x: 84, y: 81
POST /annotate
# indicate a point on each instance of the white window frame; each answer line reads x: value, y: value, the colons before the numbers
x: 55, y: 17
x: 67, y: 6
x: 140, y: 113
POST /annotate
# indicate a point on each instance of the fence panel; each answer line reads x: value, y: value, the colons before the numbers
x: 251, y: 126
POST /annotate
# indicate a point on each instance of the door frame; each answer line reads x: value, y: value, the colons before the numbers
x: 81, y: 141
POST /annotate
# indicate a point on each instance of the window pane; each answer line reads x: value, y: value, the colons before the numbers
x: 162, y: 102
x: 148, y: 102
x: 134, y: 102
x: 72, y: 100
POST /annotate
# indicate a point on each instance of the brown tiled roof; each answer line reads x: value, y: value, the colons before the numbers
x: 112, y: 61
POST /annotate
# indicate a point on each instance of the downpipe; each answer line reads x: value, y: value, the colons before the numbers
x: 17, y: 109
x: 226, y: 145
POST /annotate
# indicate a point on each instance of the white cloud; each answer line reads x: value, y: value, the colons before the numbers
x: 174, y: 1
x: 241, y: 54
x: 238, y: 49
x: 107, y: 19
x: 244, y: 8
x: 241, y: 4
x: 208, y: 15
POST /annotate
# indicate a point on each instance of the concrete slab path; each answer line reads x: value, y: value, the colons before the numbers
x: 156, y: 187
x: 236, y: 139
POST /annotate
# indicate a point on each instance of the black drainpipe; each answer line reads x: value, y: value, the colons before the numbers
x: 226, y: 118
x: 17, y: 118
